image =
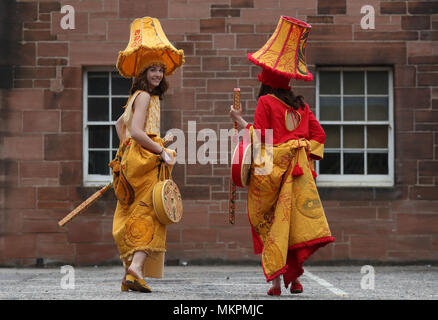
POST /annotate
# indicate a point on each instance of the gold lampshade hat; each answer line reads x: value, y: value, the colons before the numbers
x: 148, y: 45
x: 283, y: 56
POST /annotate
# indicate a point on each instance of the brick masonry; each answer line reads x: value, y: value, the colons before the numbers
x: 41, y: 124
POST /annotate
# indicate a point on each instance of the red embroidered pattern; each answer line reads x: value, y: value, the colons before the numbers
x: 137, y: 39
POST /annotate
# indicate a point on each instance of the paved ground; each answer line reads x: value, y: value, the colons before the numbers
x: 222, y: 283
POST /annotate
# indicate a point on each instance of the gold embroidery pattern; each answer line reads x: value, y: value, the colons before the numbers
x: 302, y: 67
x: 272, y: 257
x: 277, y: 52
x: 137, y: 39
x: 309, y: 204
x: 285, y: 64
x: 152, y: 125
x: 139, y: 231
x: 285, y: 210
x: 284, y: 52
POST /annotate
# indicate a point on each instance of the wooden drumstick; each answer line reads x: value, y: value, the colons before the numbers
x: 84, y: 205
x: 232, y: 200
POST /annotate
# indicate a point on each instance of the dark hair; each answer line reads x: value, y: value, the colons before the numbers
x: 141, y: 83
x: 287, y: 96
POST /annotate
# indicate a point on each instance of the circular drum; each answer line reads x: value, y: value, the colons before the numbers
x: 241, y: 165
x: 167, y: 202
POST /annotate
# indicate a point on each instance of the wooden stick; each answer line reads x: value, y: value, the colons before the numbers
x: 93, y: 198
x: 232, y: 201
x: 84, y: 205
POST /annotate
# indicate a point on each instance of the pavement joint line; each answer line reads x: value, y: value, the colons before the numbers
x: 325, y: 284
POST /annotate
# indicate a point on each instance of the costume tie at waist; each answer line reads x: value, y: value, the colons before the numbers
x: 298, y: 144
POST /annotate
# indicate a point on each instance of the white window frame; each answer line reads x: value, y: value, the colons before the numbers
x: 95, y: 179
x: 356, y: 180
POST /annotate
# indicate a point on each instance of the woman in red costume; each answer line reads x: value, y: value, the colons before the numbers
x: 284, y: 209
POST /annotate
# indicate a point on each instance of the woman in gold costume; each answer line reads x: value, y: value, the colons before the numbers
x: 141, y: 160
x: 138, y: 233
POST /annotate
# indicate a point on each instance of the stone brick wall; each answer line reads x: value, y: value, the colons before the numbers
x: 41, y: 123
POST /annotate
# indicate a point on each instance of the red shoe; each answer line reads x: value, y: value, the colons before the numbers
x: 296, y: 287
x: 274, y: 292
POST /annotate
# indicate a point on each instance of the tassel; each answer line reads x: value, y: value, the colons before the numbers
x: 314, y: 174
x: 297, y: 171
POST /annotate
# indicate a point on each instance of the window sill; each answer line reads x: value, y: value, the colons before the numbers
x: 383, y: 181
x: 97, y: 181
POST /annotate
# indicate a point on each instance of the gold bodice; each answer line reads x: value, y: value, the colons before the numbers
x: 152, y: 121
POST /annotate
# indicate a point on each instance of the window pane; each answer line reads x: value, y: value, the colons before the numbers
x: 119, y: 85
x: 365, y: 99
x: 377, y: 82
x: 117, y: 107
x: 330, y: 108
x: 329, y: 82
x: 354, y: 109
x: 115, y: 138
x: 378, y: 109
x: 98, y: 109
x: 98, y: 83
x: 353, y: 163
x: 333, y: 136
x: 98, y: 137
x: 98, y: 162
x: 377, y: 163
x: 354, y: 82
x: 114, y: 152
x: 331, y: 164
x: 353, y: 137
x: 377, y: 136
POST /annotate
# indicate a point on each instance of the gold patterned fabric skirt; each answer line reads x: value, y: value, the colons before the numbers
x: 285, y: 212
x: 135, y: 226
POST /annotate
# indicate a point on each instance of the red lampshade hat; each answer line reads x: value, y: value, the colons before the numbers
x: 283, y: 56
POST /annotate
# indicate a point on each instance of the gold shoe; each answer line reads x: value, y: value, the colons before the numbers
x: 135, y: 283
x: 142, y: 286
x: 124, y: 287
